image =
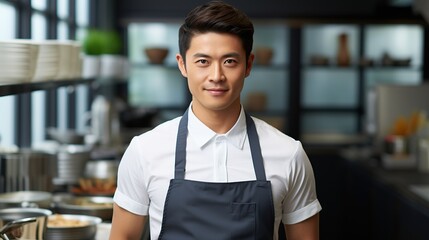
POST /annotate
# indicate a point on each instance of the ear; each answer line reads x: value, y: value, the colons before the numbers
x: 249, y: 64
x: 181, y: 64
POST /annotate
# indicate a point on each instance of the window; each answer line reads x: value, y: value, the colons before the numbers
x: 71, y: 19
x: 39, y: 4
x: 7, y: 103
x: 38, y: 98
x: 82, y: 101
x: 63, y: 9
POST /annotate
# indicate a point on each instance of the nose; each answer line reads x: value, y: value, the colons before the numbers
x: 217, y: 73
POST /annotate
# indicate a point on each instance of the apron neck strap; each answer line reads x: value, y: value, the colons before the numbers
x: 182, y: 136
x: 255, y: 148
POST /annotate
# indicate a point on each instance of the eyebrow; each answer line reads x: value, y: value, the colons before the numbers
x: 233, y: 54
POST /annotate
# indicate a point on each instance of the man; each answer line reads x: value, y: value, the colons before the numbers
x: 215, y: 173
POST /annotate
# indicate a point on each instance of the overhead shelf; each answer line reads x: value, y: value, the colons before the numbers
x: 17, y: 88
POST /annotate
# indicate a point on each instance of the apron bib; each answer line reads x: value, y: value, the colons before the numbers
x: 218, y: 211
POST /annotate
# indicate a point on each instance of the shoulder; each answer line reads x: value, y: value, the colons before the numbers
x: 164, y: 130
x: 159, y: 139
x: 276, y: 144
x: 267, y: 132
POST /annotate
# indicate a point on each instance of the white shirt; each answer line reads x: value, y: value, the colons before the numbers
x: 147, y: 167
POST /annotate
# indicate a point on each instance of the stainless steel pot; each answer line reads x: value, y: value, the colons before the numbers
x: 27, y: 169
x: 101, y: 207
x: 85, y: 232
x: 23, y: 223
x: 37, y: 199
x: 13, y: 228
x: 71, y: 163
x: 102, y: 169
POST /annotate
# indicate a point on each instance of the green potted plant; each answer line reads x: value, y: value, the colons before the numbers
x: 102, y: 57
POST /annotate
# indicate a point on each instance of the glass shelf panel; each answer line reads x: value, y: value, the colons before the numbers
x: 157, y: 87
x: 399, y: 41
x: 333, y: 87
x: 275, y: 36
x: 392, y: 76
x: 142, y: 35
x: 323, y: 40
x: 274, y: 84
x: 321, y: 123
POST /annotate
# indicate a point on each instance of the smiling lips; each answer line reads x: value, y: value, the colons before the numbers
x: 216, y: 91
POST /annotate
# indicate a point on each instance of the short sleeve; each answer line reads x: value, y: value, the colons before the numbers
x: 131, y: 193
x: 301, y: 200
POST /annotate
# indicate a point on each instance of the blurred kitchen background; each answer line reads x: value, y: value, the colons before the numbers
x: 347, y: 78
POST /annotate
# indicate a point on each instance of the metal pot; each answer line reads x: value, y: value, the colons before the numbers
x: 102, y: 169
x: 23, y: 223
x: 13, y: 228
x: 101, y: 207
x: 36, y: 199
x: 71, y: 163
x: 27, y: 169
x: 86, y: 232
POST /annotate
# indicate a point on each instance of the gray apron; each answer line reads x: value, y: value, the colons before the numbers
x: 218, y: 211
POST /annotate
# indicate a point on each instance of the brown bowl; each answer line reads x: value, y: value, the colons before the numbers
x: 156, y: 55
x: 263, y: 55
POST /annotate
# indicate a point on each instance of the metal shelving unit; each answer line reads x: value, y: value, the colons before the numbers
x: 18, y: 88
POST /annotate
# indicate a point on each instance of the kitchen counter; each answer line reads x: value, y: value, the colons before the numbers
x: 408, y: 184
x: 363, y: 200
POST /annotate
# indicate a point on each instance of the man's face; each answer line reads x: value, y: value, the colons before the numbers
x: 215, y: 68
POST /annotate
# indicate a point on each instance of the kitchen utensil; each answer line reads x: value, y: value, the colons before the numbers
x: 81, y: 232
x: 25, y: 199
x: 95, y: 187
x: 13, y: 228
x: 71, y: 163
x: 27, y: 169
x: 23, y: 223
x: 101, y: 169
x: 101, y: 207
x: 156, y: 55
x: 66, y: 136
x: 263, y: 55
x: 105, y: 122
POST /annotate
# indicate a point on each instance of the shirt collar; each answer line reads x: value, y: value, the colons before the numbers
x: 201, y: 134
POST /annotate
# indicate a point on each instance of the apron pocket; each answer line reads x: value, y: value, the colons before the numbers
x: 243, y: 210
x: 244, y: 216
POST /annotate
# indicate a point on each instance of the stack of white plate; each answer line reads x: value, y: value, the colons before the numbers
x: 69, y: 63
x: 35, y: 61
x: 18, y: 59
x: 47, y: 61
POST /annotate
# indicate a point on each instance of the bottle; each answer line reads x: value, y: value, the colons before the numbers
x: 104, y: 121
x: 343, y: 54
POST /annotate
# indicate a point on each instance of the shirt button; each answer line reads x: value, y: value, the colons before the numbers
x: 220, y: 138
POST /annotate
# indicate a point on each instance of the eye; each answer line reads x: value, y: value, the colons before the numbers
x: 202, y: 61
x: 230, y: 61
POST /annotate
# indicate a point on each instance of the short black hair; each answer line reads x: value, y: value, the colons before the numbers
x: 220, y: 17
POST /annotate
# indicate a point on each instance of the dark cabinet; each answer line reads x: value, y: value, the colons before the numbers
x: 363, y: 201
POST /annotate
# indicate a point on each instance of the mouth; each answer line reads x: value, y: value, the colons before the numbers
x: 216, y: 91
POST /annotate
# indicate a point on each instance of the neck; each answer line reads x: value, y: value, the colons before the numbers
x: 219, y: 121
